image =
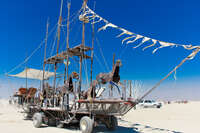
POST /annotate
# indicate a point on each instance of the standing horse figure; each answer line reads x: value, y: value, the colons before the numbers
x: 112, y: 77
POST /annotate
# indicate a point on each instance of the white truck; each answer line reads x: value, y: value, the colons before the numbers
x: 149, y: 104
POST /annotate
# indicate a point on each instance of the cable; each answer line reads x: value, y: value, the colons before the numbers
x: 102, y: 67
x: 27, y: 59
x: 101, y: 52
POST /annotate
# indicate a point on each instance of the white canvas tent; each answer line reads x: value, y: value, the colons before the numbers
x: 31, y: 73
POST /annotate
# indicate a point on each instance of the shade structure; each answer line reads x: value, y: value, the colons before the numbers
x: 31, y: 73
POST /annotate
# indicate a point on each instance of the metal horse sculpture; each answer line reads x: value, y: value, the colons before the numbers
x: 112, y: 76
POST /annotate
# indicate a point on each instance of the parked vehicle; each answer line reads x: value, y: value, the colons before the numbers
x: 149, y: 104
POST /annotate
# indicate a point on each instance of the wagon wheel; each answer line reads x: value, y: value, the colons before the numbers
x: 112, y: 123
x: 86, y: 125
x: 26, y: 108
x: 27, y: 116
x: 52, y: 122
x: 37, y: 120
x: 59, y: 124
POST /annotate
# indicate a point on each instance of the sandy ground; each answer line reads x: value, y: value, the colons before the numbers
x: 173, y: 118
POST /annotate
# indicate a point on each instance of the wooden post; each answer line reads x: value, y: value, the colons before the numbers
x: 113, y: 61
x: 82, y: 52
x: 58, y: 41
x: 124, y: 90
x: 26, y: 79
x: 111, y: 87
x: 92, y: 52
x: 59, y: 24
x: 54, y: 83
x: 67, y: 69
x: 45, y: 56
x: 67, y: 40
x: 130, y: 91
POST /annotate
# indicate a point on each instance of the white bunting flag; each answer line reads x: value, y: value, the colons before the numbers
x: 136, y: 38
x: 145, y: 39
x: 106, y: 26
x: 154, y: 42
x: 91, y: 15
x: 128, y: 38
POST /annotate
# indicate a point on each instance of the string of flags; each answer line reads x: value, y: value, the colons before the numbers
x: 131, y: 37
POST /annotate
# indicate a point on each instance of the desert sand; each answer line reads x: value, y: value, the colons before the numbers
x: 171, y: 118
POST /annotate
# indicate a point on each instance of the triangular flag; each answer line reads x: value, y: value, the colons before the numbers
x: 106, y: 26
x: 163, y: 44
x: 154, y: 42
x: 127, y: 38
x: 124, y: 32
x: 166, y: 44
x: 143, y: 41
x: 136, y: 38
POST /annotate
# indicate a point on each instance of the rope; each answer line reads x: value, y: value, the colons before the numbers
x: 53, y: 46
x: 180, y: 64
x: 27, y: 59
x: 122, y: 51
x: 102, y: 67
x: 101, y: 52
x: 61, y: 7
x: 62, y: 46
x: 73, y: 16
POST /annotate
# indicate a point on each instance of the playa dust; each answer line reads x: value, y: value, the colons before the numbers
x: 171, y: 118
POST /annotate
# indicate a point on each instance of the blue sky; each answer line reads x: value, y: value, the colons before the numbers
x: 23, y: 26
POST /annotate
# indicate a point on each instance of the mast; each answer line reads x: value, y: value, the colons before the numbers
x: 92, y: 52
x: 58, y: 41
x: 45, y: 54
x: 67, y: 69
x: 43, y: 74
x: 59, y: 24
x: 82, y: 46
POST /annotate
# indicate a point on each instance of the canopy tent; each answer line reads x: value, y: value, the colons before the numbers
x: 31, y: 73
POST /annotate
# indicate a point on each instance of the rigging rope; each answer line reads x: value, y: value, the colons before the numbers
x: 189, y: 57
x: 27, y: 59
x: 102, y: 66
x: 101, y: 52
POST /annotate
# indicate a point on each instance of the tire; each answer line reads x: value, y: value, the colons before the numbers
x: 159, y: 106
x: 27, y: 116
x: 59, y: 124
x: 86, y: 125
x: 52, y: 122
x: 26, y: 108
x: 113, y: 123
x: 37, y: 120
